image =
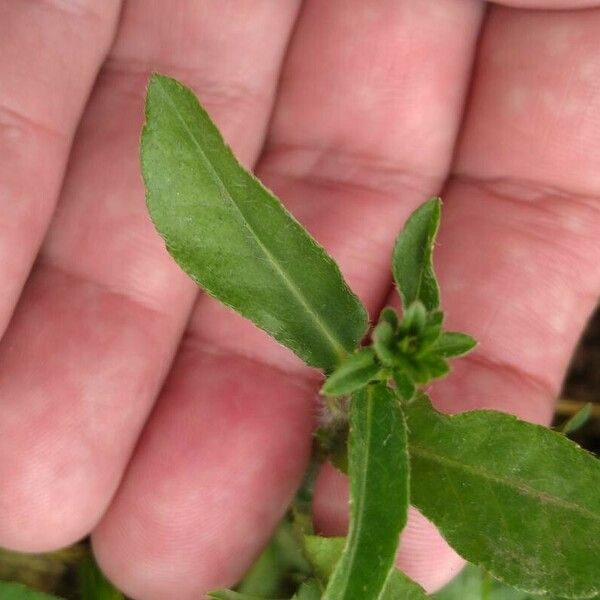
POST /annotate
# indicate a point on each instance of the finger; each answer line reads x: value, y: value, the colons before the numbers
x: 360, y: 137
x: 549, y: 4
x: 98, y: 322
x: 518, y: 255
x: 524, y: 198
x: 50, y: 54
x: 360, y: 133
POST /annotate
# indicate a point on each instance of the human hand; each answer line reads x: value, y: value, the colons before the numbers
x: 367, y: 122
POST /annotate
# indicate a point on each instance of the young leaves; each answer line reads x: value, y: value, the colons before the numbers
x: 412, y: 265
x: 17, y: 591
x: 353, y: 373
x: 516, y: 498
x: 378, y: 464
x: 235, y: 239
x: 452, y: 343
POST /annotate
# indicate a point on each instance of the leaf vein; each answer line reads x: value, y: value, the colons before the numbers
x: 336, y: 344
x: 519, y: 487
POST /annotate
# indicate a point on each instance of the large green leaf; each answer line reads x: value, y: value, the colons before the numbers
x: 475, y: 584
x: 378, y: 465
x: 17, y: 591
x: 518, y: 499
x: 412, y: 265
x: 234, y: 238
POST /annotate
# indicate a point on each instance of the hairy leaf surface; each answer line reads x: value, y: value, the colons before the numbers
x: 378, y: 465
x: 412, y: 264
x: 235, y: 239
x: 453, y: 343
x: 353, y: 373
x: 518, y: 499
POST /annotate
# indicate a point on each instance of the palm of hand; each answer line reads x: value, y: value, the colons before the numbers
x: 360, y: 121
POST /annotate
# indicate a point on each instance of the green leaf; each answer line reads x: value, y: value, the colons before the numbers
x: 230, y: 595
x: 324, y: 553
x: 264, y: 577
x: 17, y: 591
x: 270, y: 575
x: 414, y: 318
x: 399, y: 586
x: 404, y: 385
x: 474, y: 584
x: 93, y: 585
x: 383, y: 339
x: 378, y: 465
x: 469, y: 584
x: 309, y: 590
x: 578, y: 420
x: 413, y: 367
x: 453, y: 343
x: 235, y: 239
x: 389, y: 315
x: 515, y: 498
x: 436, y: 366
x: 339, y: 453
x: 353, y: 373
x: 412, y: 265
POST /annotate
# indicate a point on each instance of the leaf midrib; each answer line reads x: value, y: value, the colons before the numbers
x: 338, y: 346
x: 357, y: 508
x: 521, y: 488
x: 425, y: 261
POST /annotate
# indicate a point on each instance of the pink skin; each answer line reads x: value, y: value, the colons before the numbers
x: 171, y: 429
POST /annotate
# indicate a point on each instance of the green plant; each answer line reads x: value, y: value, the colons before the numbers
x: 517, y: 499
x: 90, y: 585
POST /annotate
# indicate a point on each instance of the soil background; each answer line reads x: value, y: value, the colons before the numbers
x: 582, y: 385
